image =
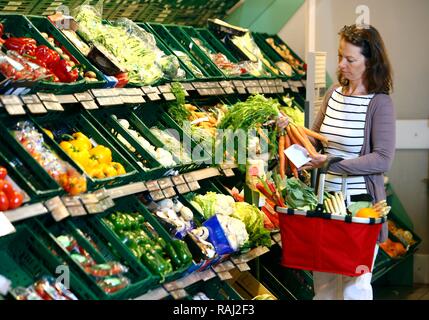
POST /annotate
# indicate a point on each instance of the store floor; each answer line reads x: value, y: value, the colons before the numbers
x: 416, y: 292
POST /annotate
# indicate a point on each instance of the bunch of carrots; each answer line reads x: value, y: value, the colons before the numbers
x: 296, y: 135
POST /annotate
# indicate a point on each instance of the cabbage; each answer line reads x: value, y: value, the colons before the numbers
x: 253, y: 218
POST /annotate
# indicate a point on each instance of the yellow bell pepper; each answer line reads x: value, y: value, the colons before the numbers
x: 83, y: 140
x: 102, y: 154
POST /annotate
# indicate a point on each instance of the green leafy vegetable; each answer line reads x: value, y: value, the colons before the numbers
x: 299, y: 196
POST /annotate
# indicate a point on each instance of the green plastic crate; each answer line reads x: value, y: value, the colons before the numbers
x: 262, y: 38
x: 273, y: 57
x: 214, y: 46
x: 20, y: 26
x: 50, y: 230
x: 26, y: 259
x: 240, y: 56
x: 130, y: 9
x: 175, y: 45
x: 131, y: 205
x: 214, y: 289
x: 24, y: 6
x: 22, y: 156
x: 160, y: 44
x: 22, y: 174
x: 162, y: 121
x: 72, y: 121
x: 45, y: 25
x: 107, y: 121
x: 194, y: 50
x: 49, y: 7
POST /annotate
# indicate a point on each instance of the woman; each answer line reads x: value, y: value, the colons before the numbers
x: 357, y: 117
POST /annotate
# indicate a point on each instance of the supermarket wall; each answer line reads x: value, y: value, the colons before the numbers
x: 404, y: 26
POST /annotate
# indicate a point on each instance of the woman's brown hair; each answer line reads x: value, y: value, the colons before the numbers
x: 378, y: 74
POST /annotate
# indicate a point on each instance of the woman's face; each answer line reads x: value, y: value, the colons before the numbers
x: 351, y: 62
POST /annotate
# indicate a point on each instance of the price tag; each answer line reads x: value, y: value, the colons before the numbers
x: 189, y: 177
x: 89, y: 105
x: 32, y: 98
x: 252, y: 254
x: 279, y: 82
x: 169, y: 96
x: 165, y: 88
x: 14, y: 109
x: 266, y: 90
x: 149, y: 90
x: 66, y: 98
x: 202, y: 92
x: 194, y: 185
x: 10, y: 100
x: 178, y: 180
x: 71, y: 201
x: 155, y: 294
x: 133, y: 99
x: 238, y: 83
x: 242, y: 267
x: 89, y: 198
x: 199, y: 85
x: 187, y: 86
x: 265, y: 83
x: 225, y: 266
x: 304, y: 83
x: 5, y: 226
x: 100, y: 93
x: 53, y: 106
x: 36, y: 108
x: 294, y: 89
x: 277, y: 237
x: 57, y: 209
x: 224, y: 275
x: 131, y: 92
x: 207, y: 275
x: 280, y: 89
x: 165, y: 183
x: 109, y: 101
x: 172, y: 286
x: 228, y: 173
x: 182, y: 188
x: 152, y: 185
x: 157, y: 195
x: 253, y: 90
x: 83, y: 96
x: 153, y: 96
x: 241, y: 90
x: 94, y: 208
x: 229, y: 90
x: 285, y: 85
x: 169, y: 192
x: 179, y: 294
x: 49, y: 97
x: 77, y: 211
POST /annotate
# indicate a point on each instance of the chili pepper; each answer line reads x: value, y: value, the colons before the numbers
x: 47, y: 56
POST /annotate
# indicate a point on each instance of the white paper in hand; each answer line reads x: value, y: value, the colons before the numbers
x: 297, y: 155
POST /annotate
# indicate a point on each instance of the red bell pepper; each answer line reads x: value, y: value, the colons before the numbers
x: 46, y: 56
x: 65, y: 72
x: 23, y: 46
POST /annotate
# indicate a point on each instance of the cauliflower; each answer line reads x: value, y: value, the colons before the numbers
x: 234, y: 230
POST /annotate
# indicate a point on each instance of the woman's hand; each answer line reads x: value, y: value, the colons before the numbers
x: 316, y: 162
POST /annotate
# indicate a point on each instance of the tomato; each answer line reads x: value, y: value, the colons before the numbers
x: 15, y: 200
x: 3, y: 172
x: 4, y: 201
x: 2, y: 182
x: 8, y: 188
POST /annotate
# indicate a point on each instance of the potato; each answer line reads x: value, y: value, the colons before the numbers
x: 90, y: 74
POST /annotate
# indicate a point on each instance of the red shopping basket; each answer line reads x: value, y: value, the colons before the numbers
x: 318, y: 241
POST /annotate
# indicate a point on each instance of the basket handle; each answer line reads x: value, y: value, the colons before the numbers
x: 323, y: 170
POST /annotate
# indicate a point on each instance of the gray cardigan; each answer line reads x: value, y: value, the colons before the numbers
x: 378, y: 148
